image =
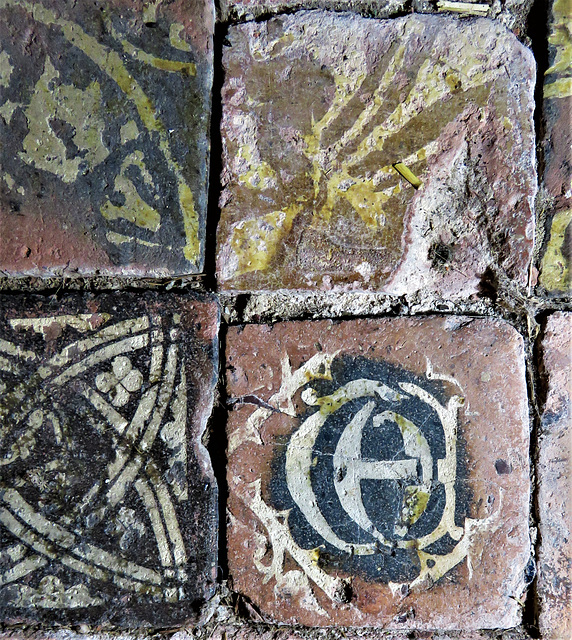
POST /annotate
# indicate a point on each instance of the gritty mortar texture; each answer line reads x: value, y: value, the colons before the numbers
x: 512, y: 13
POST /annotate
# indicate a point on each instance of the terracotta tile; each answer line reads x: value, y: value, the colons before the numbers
x: 104, y: 121
x: 401, y: 502
x: 554, y: 483
x: 311, y: 194
x: 108, y: 506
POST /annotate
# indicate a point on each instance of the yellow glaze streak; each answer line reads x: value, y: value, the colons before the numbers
x: 561, y: 88
x: 561, y: 36
x: 5, y: 69
x: 175, y: 39
x: 256, y: 242
x: 159, y: 63
x: 258, y: 175
x: 415, y: 503
x: 561, y: 39
x: 555, y: 272
x: 360, y: 193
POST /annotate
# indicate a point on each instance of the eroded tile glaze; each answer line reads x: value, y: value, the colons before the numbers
x: 393, y: 156
x: 378, y: 472
x: 555, y: 485
x: 104, y: 118
x: 107, y: 502
x: 557, y: 146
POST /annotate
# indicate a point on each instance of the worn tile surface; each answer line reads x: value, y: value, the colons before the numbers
x: 555, y: 274
x: 555, y: 483
x: 104, y: 118
x: 378, y: 472
x: 107, y: 501
x: 311, y: 197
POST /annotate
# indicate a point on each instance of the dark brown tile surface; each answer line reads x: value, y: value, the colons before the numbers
x: 554, y: 481
x: 321, y: 112
x: 108, y: 504
x: 104, y: 121
x: 378, y: 472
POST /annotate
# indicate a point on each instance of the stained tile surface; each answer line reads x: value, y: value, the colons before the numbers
x: 378, y: 472
x: 104, y: 118
x: 387, y: 155
x: 108, y: 501
x: 555, y: 483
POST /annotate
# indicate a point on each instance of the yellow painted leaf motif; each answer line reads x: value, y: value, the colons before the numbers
x: 80, y: 109
x: 338, y: 170
x: 134, y: 209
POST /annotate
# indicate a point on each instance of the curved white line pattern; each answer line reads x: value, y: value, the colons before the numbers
x: 299, y: 455
x: 350, y: 469
x: 132, y: 467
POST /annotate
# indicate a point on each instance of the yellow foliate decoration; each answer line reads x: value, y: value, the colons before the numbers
x: 80, y: 108
x: 134, y: 209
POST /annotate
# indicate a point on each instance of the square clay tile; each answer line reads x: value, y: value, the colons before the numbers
x: 104, y: 122
x: 108, y: 503
x: 378, y: 472
x: 393, y: 156
x: 555, y: 484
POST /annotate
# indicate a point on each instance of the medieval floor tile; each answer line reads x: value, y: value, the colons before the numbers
x: 104, y: 119
x: 555, y: 484
x: 396, y: 156
x: 555, y: 276
x: 108, y: 504
x: 378, y: 472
